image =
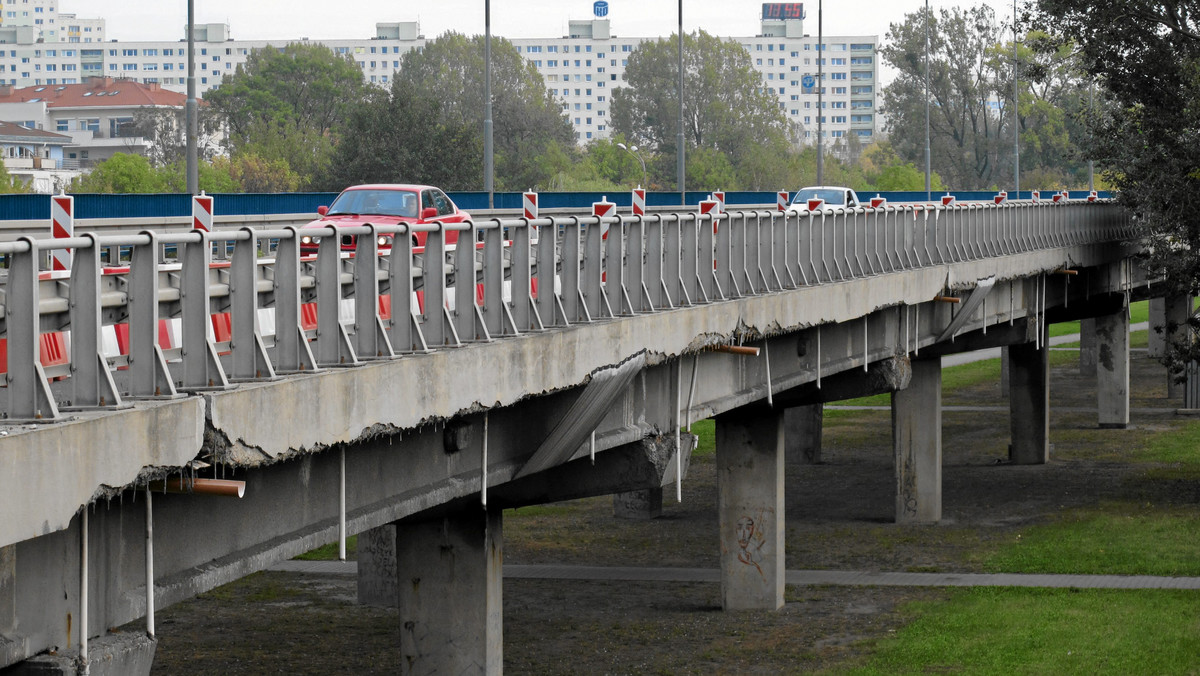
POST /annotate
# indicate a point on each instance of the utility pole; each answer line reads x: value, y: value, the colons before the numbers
x: 928, y: 189
x: 488, y: 168
x: 820, y: 95
x: 191, y: 108
x: 1016, y: 111
x: 680, y: 166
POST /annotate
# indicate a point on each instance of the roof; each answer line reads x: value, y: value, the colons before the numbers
x: 14, y: 131
x: 94, y: 92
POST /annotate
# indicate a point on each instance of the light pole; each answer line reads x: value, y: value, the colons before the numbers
x: 928, y: 190
x: 488, y: 168
x: 680, y: 166
x: 633, y: 150
x: 1016, y: 111
x: 190, y: 108
x: 820, y: 95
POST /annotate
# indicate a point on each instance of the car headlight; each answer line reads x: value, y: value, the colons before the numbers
x: 383, y: 240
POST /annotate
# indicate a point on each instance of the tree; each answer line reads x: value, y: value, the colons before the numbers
x: 121, y: 173
x: 429, y: 127
x: 166, y: 131
x: 726, y: 108
x: 1146, y: 56
x: 289, y: 104
x: 967, y: 137
x: 9, y: 183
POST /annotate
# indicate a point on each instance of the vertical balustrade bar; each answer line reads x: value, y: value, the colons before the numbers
x: 635, y: 278
x: 569, y: 271
x: 593, y: 269
x: 333, y: 342
x: 292, y: 351
x: 249, y: 353
x: 201, y: 366
x: 370, y: 337
x: 495, y: 313
x: 618, y: 296
x: 547, y: 274
x: 672, y: 261
x: 92, y: 382
x: 522, y: 275
x: 29, y: 396
x: 653, y: 272
x: 148, y: 372
x: 433, y: 282
x: 404, y: 327
x: 690, y: 248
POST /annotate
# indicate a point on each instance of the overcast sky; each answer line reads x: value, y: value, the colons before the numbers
x: 318, y: 19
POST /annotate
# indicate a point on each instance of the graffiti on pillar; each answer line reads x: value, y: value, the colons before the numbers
x: 751, y: 541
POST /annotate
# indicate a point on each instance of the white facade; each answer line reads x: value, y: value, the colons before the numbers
x: 581, y: 69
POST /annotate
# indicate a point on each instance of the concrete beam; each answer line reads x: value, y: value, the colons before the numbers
x: 109, y: 655
x: 639, y: 505
x: 880, y: 377
x: 1112, y: 369
x: 450, y: 594
x: 917, y: 442
x: 750, y: 484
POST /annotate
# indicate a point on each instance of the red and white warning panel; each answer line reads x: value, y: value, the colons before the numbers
x: 815, y: 204
x: 1001, y: 197
x: 603, y: 209
x: 1035, y: 196
x: 710, y: 207
x: 949, y: 200
x: 1092, y: 196
x: 781, y: 200
x: 718, y: 196
x: 639, y: 201
x: 878, y: 202
x: 529, y: 200
x: 202, y: 212
x: 62, y: 226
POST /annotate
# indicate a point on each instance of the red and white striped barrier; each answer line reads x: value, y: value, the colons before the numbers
x: 949, y: 201
x: 710, y: 207
x: 1001, y: 197
x: 781, y: 200
x: 62, y: 225
x: 1035, y: 196
x: 602, y: 209
x: 1092, y: 196
x: 202, y: 212
x: 639, y: 201
x: 878, y: 202
x: 529, y: 201
x: 719, y: 197
x: 815, y: 204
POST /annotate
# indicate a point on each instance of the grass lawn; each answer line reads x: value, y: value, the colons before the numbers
x: 1045, y: 631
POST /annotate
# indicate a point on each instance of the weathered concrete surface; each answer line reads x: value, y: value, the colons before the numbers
x: 1177, y: 308
x: 1112, y: 369
x: 639, y: 505
x: 377, y: 567
x: 450, y: 585
x: 1029, y: 403
x: 917, y: 442
x: 802, y: 426
x: 1089, y: 351
x: 1157, y: 346
x: 750, y: 485
x: 111, y: 655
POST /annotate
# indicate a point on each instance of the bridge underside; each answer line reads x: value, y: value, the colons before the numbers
x: 413, y: 453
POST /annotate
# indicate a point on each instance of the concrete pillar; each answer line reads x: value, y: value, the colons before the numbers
x: 1088, y: 351
x: 641, y: 505
x: 917, y: 441
x: 1176, y: 308
x: 377, y: 567
x: 750, y: 505
x: 1112, y: 369
x: 1004, y: 371
x: 1158, y: 328
x: 1029, y: 403
x: 802, y: 427
x: 449, y: 592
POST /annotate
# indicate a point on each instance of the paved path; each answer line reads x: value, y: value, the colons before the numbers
x: 994, y: 352
x: 798, y: 577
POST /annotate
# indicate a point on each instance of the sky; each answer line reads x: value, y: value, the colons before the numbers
x: 329, y: 19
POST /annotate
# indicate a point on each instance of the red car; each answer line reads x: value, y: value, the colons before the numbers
x: 385, y: 204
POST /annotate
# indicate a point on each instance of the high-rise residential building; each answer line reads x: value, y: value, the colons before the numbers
x: 582, y: 68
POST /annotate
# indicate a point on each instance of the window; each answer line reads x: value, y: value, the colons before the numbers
x: 860, y: 61
x: 62, y: 125
x: 129, y: 52
x: 861, y: 118
x: 839, y: 119
x: 91, y: 124
x: 837, y: 76
x: 129, y: 66
x: 149, y: 52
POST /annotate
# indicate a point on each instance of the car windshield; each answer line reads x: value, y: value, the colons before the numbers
x: 376, y: 203
x: 831, y: 196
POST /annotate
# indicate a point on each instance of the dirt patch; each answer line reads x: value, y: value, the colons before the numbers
x: 840, y: 515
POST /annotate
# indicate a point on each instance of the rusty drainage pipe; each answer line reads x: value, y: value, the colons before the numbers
x: 224, y: 487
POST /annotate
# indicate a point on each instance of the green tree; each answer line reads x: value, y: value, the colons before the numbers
x: 9, y: 183
x: 726, y: 108
x: 967, y: 137
x: 1146, y: 126
x: 121, y: 173
x: 290, y: 104
x: 429, y: 127
x: 166, y: 130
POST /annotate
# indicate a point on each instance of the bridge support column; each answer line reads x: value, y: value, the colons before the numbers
x: 1088, y: 349
x: 1112, y: 369
x: 917, y: 441
x: 640, y: 505
x: 449, y: 592
x: 1029, y: 402
x: 1157, y: 342
x: 1176, y: 308
x: 377, y: 566
x: 750, y: 485
x: 802, y: 426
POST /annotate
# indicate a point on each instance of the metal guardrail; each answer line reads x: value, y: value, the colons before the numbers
x: 640, y: 265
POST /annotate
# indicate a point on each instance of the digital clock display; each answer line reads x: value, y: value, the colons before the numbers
x: 780, y: 11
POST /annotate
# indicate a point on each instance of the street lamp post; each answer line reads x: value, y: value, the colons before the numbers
x: 488, y: 167
x: 820, y: 95
x: 928, y: 191
x: 633, y: 150
x: 680, y: 165
x: 1016, y: 110
x: 191, y: 108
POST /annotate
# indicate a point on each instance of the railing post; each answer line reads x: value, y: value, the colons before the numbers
x: 29, y: 396
x: 370, y: 338
x: 468, y: 320
x: 249, y: 352
x: 292, y: 351
x: 404, y: 328
x: 149, y: 375
x: 333, y: 342
x: 92, y: 383
x: 201, y: 366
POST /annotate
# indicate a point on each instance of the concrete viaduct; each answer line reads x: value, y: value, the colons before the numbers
x: 417, y: 405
